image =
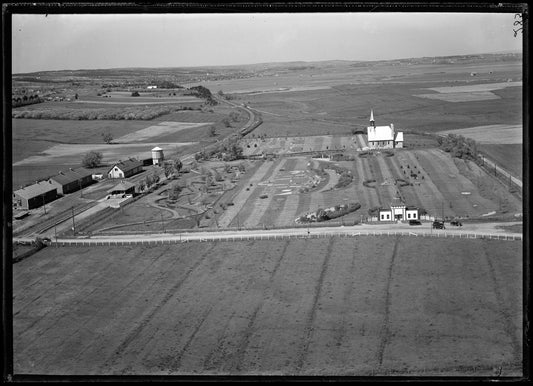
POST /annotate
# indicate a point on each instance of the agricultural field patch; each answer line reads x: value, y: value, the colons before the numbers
x: 338, y: 306
x: 509, y: 157
x: 162, y: 128
x: 73, y: 153
x: 491, y: 134
x: 288, y: 145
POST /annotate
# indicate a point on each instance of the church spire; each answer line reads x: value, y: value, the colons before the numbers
x: 372, y: 123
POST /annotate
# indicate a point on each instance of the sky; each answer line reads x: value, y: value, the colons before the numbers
x: 72, y: 42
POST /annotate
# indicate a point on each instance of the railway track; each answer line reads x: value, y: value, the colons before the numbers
x: 53, y: 221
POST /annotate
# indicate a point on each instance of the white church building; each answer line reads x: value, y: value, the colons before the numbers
x: 383, y: 137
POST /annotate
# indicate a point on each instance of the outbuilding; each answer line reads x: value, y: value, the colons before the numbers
x: 34, y: 196
x: 71, y: 180
x: 124, y: 169
x: 124, y: 187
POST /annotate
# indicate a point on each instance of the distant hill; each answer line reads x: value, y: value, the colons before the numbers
x: 187, y: 74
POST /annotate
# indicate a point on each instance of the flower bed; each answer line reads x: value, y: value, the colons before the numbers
x: 329, y: 213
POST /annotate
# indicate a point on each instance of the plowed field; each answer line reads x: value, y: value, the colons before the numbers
x: 338, y: 306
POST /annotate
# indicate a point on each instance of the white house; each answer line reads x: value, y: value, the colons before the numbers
x: 383, y: 137
x: 124, y: 169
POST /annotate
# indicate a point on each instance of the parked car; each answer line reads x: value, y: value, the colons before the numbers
x: 456, y: 223
x: 438, y: 224
x: 414, y: 222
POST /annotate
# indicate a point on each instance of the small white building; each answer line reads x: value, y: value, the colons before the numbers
x: 157, y: 156
x: 383, y: 137
x: 398, y: 211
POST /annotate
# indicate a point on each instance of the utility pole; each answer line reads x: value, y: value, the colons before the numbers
x: 55, y: 232
x: 73, y: 222
x: 442, y: 205
x: 44, y: 205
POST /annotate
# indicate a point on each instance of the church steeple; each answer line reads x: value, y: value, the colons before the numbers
x: 372, y: 123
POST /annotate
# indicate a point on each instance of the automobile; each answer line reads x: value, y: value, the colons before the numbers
x: 438, y: 224
x: 414, y: 222
x: 456, y: 223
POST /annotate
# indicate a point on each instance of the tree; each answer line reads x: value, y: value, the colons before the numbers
x: 92, y: 159
x: 177, y: 164
x: 107, y: 137
x: 141, y: 185
x: 212, y: 131
x: 168, y: 169
x: 155, y: 177
x: 135, y: 94
x: 175, y: 190
x: 148, y: 181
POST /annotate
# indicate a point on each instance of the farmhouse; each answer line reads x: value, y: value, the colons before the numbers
x: 33, y: 196
x: 383, y: 137
x: 71, y: 180
x: 398, y: 211
x: 124, y: 169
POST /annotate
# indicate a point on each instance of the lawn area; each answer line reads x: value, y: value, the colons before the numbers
x: 339, y: 306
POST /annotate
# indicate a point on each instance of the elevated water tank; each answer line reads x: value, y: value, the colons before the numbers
x: 157, y: 155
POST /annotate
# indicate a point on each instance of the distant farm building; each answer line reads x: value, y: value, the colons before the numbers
x: 71, y: 180
x: 157, y: 155
x: 34, y: 196
x: 124, y: 169
x: 383, y: 137
x: 151, y: 87
x: 398, y: 211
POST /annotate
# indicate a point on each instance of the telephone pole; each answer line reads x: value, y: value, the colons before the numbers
x: 73, y: 222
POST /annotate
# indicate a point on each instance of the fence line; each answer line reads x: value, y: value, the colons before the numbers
x: 218, y: 237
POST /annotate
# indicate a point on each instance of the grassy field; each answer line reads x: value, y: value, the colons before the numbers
x: 42, y: 147
x: 509, y: 157
x: 339, y: 306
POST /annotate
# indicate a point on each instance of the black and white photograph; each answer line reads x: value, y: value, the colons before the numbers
x: 252, y: 193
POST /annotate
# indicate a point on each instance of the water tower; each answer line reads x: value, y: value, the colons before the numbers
x: 157, y: 155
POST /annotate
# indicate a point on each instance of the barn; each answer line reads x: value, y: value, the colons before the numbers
x: 124, y: 169
x: 71, y: 180
x: 34, y: 196
x: 383, y: 137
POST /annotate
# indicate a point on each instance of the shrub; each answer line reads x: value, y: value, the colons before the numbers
x: 92, y: 159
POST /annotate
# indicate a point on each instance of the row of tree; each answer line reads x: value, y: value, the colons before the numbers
x: 459, y: 147
x: 126, y: 113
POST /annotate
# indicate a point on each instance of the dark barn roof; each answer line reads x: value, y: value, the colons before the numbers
x: 70, y: 176
x: 35, y: 190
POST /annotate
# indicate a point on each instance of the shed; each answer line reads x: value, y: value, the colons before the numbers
x: 34, y: 196
x: 124, y: 187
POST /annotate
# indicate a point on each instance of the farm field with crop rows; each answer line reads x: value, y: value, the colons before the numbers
x: 336, y: 306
